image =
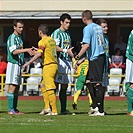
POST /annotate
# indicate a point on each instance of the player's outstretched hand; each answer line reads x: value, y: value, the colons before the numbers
x: 34, y: 48
x: 30, y: 51
x: 69, y: 51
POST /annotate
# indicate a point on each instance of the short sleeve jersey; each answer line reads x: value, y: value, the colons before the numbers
x: 15, y: 42
x: 63, y: 40
x: 93, y: 35
x: 49, y: 53
x: 83, y: 68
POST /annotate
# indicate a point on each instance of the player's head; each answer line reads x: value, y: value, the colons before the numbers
x: 65, y: 20
x: 42, y: 29
x: 18, y: 26
x: 86, y: 15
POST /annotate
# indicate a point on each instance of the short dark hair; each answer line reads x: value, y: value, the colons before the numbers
x: 43, y: 28
x: 65, y: 16
x: 87, y: 14
x: 17, y: 21
x: 101, y: 20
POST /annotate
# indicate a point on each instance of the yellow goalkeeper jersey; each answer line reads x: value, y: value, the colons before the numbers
x: 47, y: 46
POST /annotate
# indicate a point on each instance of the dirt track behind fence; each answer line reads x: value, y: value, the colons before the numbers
x: 68, y: 98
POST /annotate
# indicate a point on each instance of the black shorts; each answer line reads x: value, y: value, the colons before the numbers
x: 96, y: 69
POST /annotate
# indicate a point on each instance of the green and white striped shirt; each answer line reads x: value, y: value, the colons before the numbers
x: 129, y: 50
x: 63, y: 40
x: 14, y: 42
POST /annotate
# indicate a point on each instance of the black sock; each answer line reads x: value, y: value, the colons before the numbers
x: 100, y: 90
x: 63, y: 97
x: 93, y: 94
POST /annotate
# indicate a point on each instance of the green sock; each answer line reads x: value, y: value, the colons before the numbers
x: 15, y: 102
x: 10, y: 98
x: 130, y: 99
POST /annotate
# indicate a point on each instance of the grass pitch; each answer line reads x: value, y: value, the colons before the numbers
x: 116, y: 120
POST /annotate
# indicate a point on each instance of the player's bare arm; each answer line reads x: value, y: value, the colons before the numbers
x: 69, y: 51
x: 35, y: 57
x: 83, y: 49
x: 19, y: 51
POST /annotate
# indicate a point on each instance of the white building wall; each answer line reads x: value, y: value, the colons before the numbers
x: 66, y: 5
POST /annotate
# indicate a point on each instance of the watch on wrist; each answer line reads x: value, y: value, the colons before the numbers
x: 77, y: 57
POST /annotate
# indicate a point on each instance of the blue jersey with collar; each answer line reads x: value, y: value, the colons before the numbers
x: 93, y: 36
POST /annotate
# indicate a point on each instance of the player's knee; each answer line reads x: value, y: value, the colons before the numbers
x: 87, y: 81
x: 79, y: 91
x: 99, y: 87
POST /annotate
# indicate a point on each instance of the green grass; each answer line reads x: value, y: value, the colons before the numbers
x: 116, y: 120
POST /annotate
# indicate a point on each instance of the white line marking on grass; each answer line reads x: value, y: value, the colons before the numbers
x: 123, y: 126
x: 38, y: 120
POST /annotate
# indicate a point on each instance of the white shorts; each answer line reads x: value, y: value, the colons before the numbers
x: 129, y: 71
x: 64, y: 75
x: 13, y: 74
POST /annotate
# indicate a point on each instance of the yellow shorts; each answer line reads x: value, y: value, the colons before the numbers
x: 49, y: 74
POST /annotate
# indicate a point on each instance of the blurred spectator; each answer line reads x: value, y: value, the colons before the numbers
x: 117, y: 60
x: 121, y: 45
x: 3, y: 65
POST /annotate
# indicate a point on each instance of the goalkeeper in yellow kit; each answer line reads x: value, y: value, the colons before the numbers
x: 81, y: 67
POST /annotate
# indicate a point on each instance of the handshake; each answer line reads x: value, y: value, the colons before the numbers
x: 31, y: 50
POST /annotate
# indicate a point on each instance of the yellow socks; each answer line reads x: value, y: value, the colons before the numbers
x: 45, y: 98
x: 90, y: 99
x: 52, y: 100
x: 76, y: 96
